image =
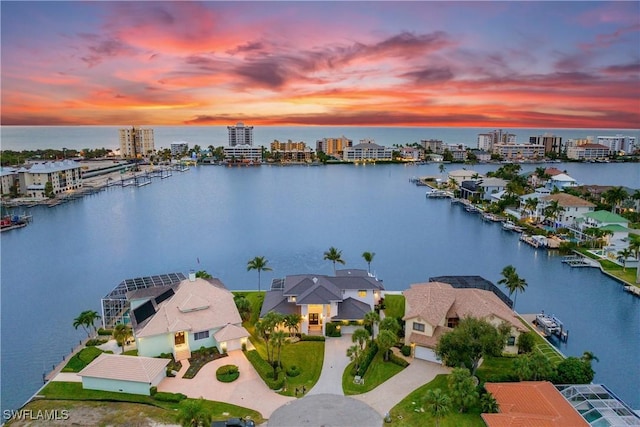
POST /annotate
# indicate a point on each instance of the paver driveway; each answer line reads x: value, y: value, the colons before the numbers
x: 335, y: 361
x: 248, y: 390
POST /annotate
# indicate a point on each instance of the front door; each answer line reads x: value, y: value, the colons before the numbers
x: 178, y: 338
x: 313, y: 318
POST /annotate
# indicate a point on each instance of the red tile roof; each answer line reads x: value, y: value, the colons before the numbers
x: 531, y: 404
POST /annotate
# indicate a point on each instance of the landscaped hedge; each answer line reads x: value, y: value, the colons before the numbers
x: 369, y: 353
x: 405, y: 350
x: 227, y: 373
x: 95, y: 342
x: 164, y: 396
x: 398, y: 360
x: 265, y: 370
x: 105, y: 331
x: 305, y: 337
x: 333, y: 330
x: 293, y: 371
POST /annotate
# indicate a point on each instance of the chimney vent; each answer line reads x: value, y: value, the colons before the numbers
x: 192, y: 276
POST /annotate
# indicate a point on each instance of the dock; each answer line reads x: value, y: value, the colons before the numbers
x: 634, y: 290
x: 579, y: 261
x: 535, y: 241
x: 550, y: 326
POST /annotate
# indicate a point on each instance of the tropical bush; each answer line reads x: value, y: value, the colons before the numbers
x: 405, y: 350
x: 369, y: 353
x: 333, y: 330
x: 227, y: 373
x: 398, y: 360
x: 293, y: 371
x: 95, y: 342
x: 164, y: 396
x: 306, y: 337
x: 526, y: 342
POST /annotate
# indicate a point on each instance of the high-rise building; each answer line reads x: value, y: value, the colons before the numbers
x: 178, y: 148
x: 136, y: 142
x: 333, y: 146
x: 433, y: 145
x: 618, y: 143
x: 240, y: 135
x: 486, y: 141
x: 552, y: 143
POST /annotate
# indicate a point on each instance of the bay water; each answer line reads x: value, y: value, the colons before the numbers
x: 217, y: 219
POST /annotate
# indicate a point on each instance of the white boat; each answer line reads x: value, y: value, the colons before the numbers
x: 510, y: 226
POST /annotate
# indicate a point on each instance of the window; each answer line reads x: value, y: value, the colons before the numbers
x: 201, y: 335
x: 511, y: 341
x: 362, y: 293
x: 418, y: 327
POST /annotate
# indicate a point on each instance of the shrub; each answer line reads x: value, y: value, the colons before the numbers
x: 305, y: 337
x: 405, y: 350
x: 333, y: 331
x: 95, y: 341
x: 369, y: 353
x: 227, y: 373
x: 164, y: 396
x: 244, y: 346
x: 265, y: 370
x: 293, y: 371
x: 153, y: 390
x: 107, y: 332
x: 526, y: 342
x: 398, y: 360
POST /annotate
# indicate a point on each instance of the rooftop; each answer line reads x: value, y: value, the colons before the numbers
x: 569, y: 200
x: 125, y: 368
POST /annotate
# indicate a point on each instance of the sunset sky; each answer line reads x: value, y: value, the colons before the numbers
x: 474, y: 64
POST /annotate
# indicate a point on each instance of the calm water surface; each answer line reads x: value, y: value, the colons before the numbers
x: 216, y: 219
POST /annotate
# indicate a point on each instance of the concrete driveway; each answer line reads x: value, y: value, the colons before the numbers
x: 335, y: 361
x: 248, y: 390
x: 391, y: 392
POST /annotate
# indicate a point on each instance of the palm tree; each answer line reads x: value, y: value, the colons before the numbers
x: 614, y: 196
x: 258, y: 263
x: 277, y: 341
x: 354, y: 353
x: 386, y: 339
x: 334, y: 255
x: 530, y: 205
x: 87, y: 320
x: 438, y: 403
x: 512, y: 282
x: 368, y: 257
x: 121, y: 333
x: 192, y: 413
x: 588, y: 357
x: 623, y: 255
x: 360, y: 337
x: 292, y: 322
x: 371, y: 319
x: 553, y: 210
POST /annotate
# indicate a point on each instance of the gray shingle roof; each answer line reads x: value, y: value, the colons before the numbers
x: 352, y: 309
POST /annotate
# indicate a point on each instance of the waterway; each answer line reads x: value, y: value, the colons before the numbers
x: 216, y: 219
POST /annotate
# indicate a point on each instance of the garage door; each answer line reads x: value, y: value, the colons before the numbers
x: 427, y: 354
x: 234, y: 345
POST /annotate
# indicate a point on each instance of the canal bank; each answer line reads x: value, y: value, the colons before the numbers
x: 216, y: 219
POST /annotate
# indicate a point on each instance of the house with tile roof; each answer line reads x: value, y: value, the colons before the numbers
x: 123, y: 374
x: 573, y: 207
x: 320, y: 299
x: 531, y: 403
x: 192, y: 314
x: 617, y: 225
x: 434, y: 308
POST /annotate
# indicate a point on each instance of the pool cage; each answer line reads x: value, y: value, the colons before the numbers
x: 115, y: 305
x: 598, y: 405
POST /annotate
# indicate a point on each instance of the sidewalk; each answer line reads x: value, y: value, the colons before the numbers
x: 335, y: 362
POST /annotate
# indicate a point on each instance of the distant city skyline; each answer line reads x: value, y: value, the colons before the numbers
x: 447, y: 64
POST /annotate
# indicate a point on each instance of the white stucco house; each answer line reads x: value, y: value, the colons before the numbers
x: 195, y: 313
x: 573, y: 207
x: 124, y: 374
x: 320, y: 299
x: 434, y: 308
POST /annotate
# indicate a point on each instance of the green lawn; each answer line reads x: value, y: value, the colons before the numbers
x: 544, y: 346
x: 256, y: 299
x: 408, y: 412
x: 81, y: 359
x: 394, y: 305
x: 306, y: 355
x: 379, y: 371
x: 57, y: 390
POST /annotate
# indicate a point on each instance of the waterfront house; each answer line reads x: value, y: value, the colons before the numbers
x: 531, y: 403
x: 320, y: 299
x: 434, y: 308
x: 124, y: 374
x: 8, y: 178
x: 63, y: 175
x: 560, y: 181
x: 176, y: 319
x: 460, y: 175
x: 573, y: 207
x: 617, y: 225
x: 367, y: 151
x: 482, y: 188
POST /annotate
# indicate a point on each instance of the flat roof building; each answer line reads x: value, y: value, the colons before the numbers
x: 240, y: 134
x: 136, y: 142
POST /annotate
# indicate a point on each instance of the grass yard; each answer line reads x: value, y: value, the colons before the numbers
x: 81, y: 359
x: 306, y: 355
x: 256, y: 299
x: 379, y: 371
x: 56, y: 390
x: 408, y: 413
x: 495, y: 369
x: 544, y: 346
x: 394, y: 305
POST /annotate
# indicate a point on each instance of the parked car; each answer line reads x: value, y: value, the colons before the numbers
x: 234, y: 422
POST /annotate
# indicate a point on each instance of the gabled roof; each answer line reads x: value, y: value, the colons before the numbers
x: 319, y: 293
x: 276, y: 301
x: 196, y: 306
x: 531, y: 403
x: 563, y: 177
x: 297, y: 285
x: 605, y: 216
x: 230, y: 332
x: 352, y: 309
x: 125, y: 368
x: 568, y: 200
